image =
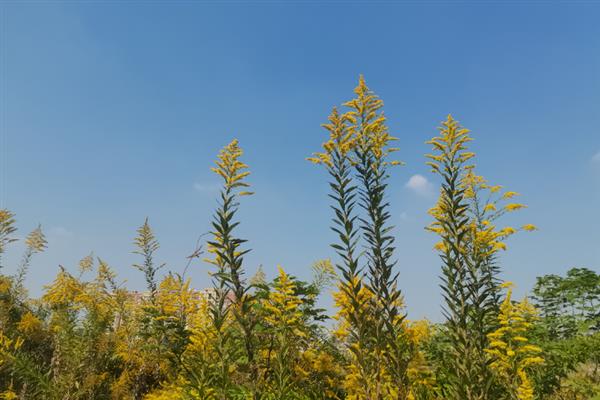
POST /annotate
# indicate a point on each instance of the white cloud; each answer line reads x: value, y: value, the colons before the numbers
x: 403, y: 216
x: 420, y: 185
x: 60, y: 231
x: 206, y: 188
x: 596, y: 158
x: 59, y: 235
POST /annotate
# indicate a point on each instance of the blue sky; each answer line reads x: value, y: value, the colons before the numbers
x: 111, y: 112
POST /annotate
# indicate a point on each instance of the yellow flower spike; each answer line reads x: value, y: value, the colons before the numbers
x: 529, y: 227
x: 514, y: 207
x: 509, y: 195
x: 86, y: 263
x: 499, y: 246
x: 341, y: 139
x: 525, y: 390
x: 8, y: 394
x: 368, y: 124
x: 435, y: 168
x: 36, y: 240
x: 440, y: 246
x: 282, y: 303
x: 489, y: 207
x: 507, y: 231
x: 7, y: 228
x: 230, y: 168
x: 29, y: 323
x: 509, y: 347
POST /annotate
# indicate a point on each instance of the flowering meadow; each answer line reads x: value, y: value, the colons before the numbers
x: 247, y: 337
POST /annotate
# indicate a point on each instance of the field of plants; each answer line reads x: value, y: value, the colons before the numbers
x: 246, y: 337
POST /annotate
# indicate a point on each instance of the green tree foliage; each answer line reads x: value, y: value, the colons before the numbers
x: 568, y: 332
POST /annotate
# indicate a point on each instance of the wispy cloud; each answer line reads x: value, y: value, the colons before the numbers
x: 596, y: 158
x: 60, y: 231
x: 206, y: 187
x: 420, y: 185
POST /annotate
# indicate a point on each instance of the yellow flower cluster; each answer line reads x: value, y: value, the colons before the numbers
x: 485, y: 204
x: 451, y: 145
x: 362, y: 128
x: 378, y: 385
x: 29, y: 324
x: 369, y: 123
x: 231, y: 169
x: 357, y: 385
x: 5, y: 284
x: 8, y: 346
x: 175, y: 297
x: 512, y: 354
x: 346, y: 307
x: 341, y: 139
x: 199, y: 325
x: 320, y: 365
x: 420, y: 373
x: 283, y: 304
x: 487, y: 238
x: 64, y: 291
x: 7, y: 222
x: 36, y: 240
x: 450, y: 152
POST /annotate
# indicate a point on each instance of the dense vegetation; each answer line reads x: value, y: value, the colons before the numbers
x: 88, y: 337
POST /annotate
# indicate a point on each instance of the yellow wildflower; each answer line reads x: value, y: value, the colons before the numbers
x: 230, y: 168
x: 29, y: 324
x: 509, y: 195
x: 489, y: 207
x: 513, y: 207
x: 36, y: 240
x: 529, y: 227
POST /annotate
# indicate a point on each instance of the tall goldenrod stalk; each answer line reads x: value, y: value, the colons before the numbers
x: 7, y: 228
x: 463, y: 288
x: 146, y: 245
x: 371, y: 151
x: 284, y: 317
x: 355, y: 157
x: 351, y: 298
x: 231, y: 294
x: 512, y: 354
x: 35, y: 243
x: 465, y: 221
x: 161, y: 336
x: 487, y: 204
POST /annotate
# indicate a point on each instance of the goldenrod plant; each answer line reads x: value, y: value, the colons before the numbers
x: 7, y: 229
x: 512, y: 354
x: 354, y: 314
x: 232, y: 300
x: 356, y: 157
x: 35, y: 242
x: 372, y: 151
x: 259, y: 335
x: 146, y: 245
x: 465, y: 218
x: 152, y: 336
x: 284, y: 318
